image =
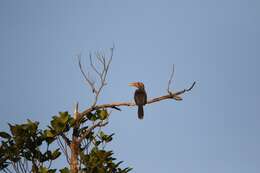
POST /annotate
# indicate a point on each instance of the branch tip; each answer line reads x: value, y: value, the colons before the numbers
x: 170, y: 80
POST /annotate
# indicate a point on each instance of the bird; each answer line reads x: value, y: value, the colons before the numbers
x: 140, y: 97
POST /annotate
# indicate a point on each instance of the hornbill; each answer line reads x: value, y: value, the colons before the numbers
x: 140, y: 97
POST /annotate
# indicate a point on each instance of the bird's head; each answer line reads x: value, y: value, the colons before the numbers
x: 138, y: 85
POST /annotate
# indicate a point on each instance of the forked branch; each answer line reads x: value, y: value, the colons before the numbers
x: 86, y: 77
x: 100, y: 72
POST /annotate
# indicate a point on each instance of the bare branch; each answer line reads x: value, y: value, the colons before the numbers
x: 170, y: 80
x: 7, y: 170
x: 64, y: 149
x: 186, y: 90
x: 90, y: 83
x: 98, y: 56
x: 89, y: 130
x: 175, y: 96
x: 101, y: 73
x: 65, y: 138
x: 109, y: 62
x: 93, y: 66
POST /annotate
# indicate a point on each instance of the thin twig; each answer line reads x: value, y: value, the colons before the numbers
x: 61, y: 145
x: 91, y: 83
x: 65, y: 138
x: 64, y: 150
x: 50, y: 163
x: 170, y: 80
x: 7, y: 170
x: 93, y: 66
x: 101, y: 73
x: 15, y: 167
x: 21, y: 166
x: 25, y: 162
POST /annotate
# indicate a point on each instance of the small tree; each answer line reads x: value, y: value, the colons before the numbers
x: 81, y: 138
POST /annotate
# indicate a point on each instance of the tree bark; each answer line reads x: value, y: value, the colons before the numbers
x: 74, y: 146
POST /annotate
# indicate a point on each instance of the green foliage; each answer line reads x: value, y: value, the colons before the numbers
x: 61, y: 123
x: 46, y: 170
x: 101, y: 161
x: 98, y: 160
x: 92, y: 117
x: 106, y: 138
x: 65, y: 170
x: 102, y: 114
x: 26, y: 142
x: 55, y: 154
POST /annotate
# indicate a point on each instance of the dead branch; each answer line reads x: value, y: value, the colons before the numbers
x: 93, y: 66
x: 87, y: 79
x: 170, y: 80
x: 101, y: 73
x: 175, y: 96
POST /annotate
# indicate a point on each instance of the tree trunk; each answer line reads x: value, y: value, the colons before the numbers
x: 74, y: 155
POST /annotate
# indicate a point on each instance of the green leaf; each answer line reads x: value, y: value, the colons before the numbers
x: 105, y: 137
x: 64, y: 117
x: 57, y: 124
x: 43, y: 170
x: 32, y: 126
x: 65, y: 170
x: 51, y: 170
x: 55, y: 154
x: 101, y: 170
x: 92, y: 117
x: 61, y: 123
x: 102, y: 114
x: 102, y: 134
x: 97, y: 143
x: 49, y: 133
x: 5, y: 135
x: 109, y: 138
x: 72, y: 122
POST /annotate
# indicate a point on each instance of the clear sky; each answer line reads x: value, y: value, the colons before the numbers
x: 215, y: 129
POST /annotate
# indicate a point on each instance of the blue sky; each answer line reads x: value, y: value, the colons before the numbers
x: 215, y: 42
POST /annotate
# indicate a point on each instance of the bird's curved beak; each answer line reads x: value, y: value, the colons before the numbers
x: 132, y: 84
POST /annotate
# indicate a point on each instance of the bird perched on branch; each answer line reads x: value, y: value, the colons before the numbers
x: 140, y: 97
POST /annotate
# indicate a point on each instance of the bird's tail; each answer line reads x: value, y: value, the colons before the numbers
x: 140, y: 112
